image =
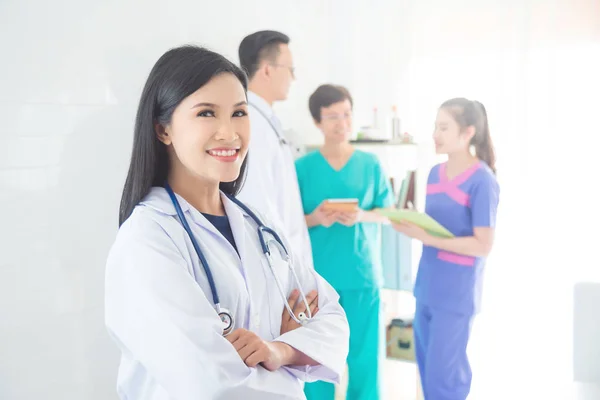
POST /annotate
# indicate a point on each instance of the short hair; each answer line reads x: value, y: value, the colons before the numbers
x: 326, y: 95
x: 260, y: 46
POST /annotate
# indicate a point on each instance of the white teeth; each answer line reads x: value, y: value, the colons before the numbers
x: 222, y: 153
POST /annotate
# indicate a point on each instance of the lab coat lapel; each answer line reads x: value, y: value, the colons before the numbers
x: 197, y: 217
x: 246, y: 240
x: 237, y: 223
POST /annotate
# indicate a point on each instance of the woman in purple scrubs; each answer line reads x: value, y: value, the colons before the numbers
x: 462, y: 195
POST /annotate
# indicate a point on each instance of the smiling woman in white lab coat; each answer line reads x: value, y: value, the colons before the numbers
x: 168, y: 302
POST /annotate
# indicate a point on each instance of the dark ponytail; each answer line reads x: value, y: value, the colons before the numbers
x: 484, y: 149
x: 472, y: 113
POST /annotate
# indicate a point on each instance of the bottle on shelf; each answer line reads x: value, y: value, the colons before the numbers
x: 396, y: 132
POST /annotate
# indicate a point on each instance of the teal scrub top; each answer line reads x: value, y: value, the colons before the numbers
x: 347, y: 257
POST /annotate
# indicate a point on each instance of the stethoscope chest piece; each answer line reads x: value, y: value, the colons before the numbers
x: 303, y: 318
x: 227, y: 321
x: 224, y: 314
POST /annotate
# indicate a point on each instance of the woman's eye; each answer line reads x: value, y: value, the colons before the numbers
x: 240, y: 113
x: 206, y: 113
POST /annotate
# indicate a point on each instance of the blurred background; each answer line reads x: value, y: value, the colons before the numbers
x: 71, y: 73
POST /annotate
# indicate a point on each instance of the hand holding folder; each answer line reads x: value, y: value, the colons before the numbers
x: 420, y: 219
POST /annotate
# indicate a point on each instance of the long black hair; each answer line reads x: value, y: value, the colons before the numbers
x: 177, y: 74
x: 472, y: 113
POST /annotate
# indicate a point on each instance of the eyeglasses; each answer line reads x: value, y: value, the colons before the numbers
x: 291, y: 69
x: 336, y: 117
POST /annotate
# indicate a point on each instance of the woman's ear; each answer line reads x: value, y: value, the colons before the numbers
x: 162, y: 134
x: 470, y: 133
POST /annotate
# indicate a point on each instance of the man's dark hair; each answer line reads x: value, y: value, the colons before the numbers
x: 326, y: 95
x: 259, y: 46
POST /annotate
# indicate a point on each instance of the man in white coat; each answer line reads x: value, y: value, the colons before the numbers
x: 271, y: 185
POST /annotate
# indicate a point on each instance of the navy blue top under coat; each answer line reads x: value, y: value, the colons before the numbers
x: 223, y: 226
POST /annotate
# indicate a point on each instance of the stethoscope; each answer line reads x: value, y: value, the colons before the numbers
x: 225, y: 315
x: 282, y: 141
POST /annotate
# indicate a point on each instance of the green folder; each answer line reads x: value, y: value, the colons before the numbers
x: 418, y: 218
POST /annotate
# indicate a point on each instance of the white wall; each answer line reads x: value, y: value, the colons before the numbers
x: 70, y: 76
x: 71, y: 72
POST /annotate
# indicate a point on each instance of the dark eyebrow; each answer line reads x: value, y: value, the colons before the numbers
x: 205, y: 105
x: 241, y: 103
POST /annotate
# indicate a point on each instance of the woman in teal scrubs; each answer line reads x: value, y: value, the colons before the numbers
x: 346, y: 245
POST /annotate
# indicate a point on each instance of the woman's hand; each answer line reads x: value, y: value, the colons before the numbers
x: 322, y: 217
x: 413, y: 231
x: 297, y: 305
x: 253, y: 350
x: 349, y: 218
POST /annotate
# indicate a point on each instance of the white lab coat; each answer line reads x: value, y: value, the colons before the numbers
x: 271, y: 185
x: 165, y: 323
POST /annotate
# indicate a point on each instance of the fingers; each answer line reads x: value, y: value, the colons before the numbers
x: 251, y: 347
x: 341, y: 218
x: 261, y: 354
x: 287, y: 324
x: 285, y: 316
x: 314, y: 305
x: 299, y: 308
x: 324, y: 211
x: 347, y: 218
x: 406, y: 228
x: 329, y: 217
x: 235, y: 335
x: 399, y: 226
x: 345, y: 222
x: 310, y: 298
x: 240, y: 338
